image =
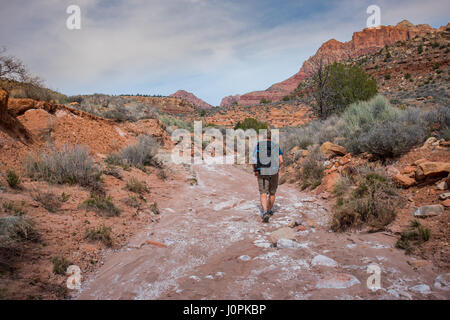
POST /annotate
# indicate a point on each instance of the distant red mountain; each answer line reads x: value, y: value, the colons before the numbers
x: 369, y: 40
x: 190, y: 97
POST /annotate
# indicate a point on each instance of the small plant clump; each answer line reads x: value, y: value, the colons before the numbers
x: 136, y: 186
x: 101, y: 233
x: 13, y: 179
x: 48, y: 200
x: 372, y: 201
x: 102, y: 205
x: 312, y: 170
x: 415, y: 235
x: 60, y: 265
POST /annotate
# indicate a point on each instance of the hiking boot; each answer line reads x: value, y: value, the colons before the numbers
x: 266, y: 217
x: 270, y: 212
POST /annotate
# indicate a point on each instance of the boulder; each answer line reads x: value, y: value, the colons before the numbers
x: 442, y: 185
x: 418, y: 162
x: 444, y: 196
x: 290, y: 244
x: 432, y: 169
x: 321, y: 260
x: 283, y: 233
x: 446, y: 203
x: 392, y: 171
x: 403, y: 181
x: 430, y: 142
x: 408, y: 170
x: 442, y: 282
x: 337, y: 281
x: 420, y: 288
x: 429, y: 211
x: 330, y: 150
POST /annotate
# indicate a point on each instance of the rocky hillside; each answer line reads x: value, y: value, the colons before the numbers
x: 367, y: 41
x: 277, y: 115
x: 190, y: 97
x: 172, y: 105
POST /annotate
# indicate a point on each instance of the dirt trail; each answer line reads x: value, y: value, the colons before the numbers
x: 217, y: 248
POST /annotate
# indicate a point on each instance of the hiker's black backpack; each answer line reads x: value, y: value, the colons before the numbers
x: 259, y: 164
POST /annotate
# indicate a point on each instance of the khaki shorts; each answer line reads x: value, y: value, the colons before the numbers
x: 268, y: 184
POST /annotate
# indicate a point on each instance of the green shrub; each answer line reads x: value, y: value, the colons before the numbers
x: 264, y: 101
x: 154, y: 208
x: 70, y: 164
x: 102, y: 205
x: 407, y: 76
x: 286, y: 98
x: 415, y: 235
x: 387, y: 77
x: 60, y: 265
x: 251, y: 123
x: 101, y: 233
x: 13, y: 179
x: 420, y: 49
x: 337, y: 86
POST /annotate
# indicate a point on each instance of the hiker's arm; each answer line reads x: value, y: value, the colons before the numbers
x: 255, y: 171
x: 280, y: 160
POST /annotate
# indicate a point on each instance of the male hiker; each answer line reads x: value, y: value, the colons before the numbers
x: 267, y: 159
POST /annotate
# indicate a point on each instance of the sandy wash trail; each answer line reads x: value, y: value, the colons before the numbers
x: 216, y: 247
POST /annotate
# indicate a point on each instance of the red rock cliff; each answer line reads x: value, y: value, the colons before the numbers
x: 366, y: 41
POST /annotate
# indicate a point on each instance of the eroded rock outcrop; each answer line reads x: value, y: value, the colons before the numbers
x: 8, y: 121
x: 367, y: 41
x: 190, y: 97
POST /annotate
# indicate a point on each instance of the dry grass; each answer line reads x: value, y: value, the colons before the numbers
x: 101, y: 233
x: 370, y: 201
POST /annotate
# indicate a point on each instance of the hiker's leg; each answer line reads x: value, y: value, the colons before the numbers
x: 263, y: 199
x: 271, y: 201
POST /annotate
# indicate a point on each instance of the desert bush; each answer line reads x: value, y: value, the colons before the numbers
x: 251, y: 123
x: 14, y: 207
x: 101, y: 233
x: 60, y: 265
x: 132, y: 201
x: 136, y: 186
x: 390, y: 139
x: 415, y: 235
x: 13, y: 179
x: 117, y: 108
x: 372, y: 201
x: 336, y: 86
x: 170, y: 121
x: 312, y: 168
x: 102, y: 205
x: 70, y: 164
x: 154, y: 208
x: 48, y: 200
x: 16, y: 228
x: 143, y: 153
x: 112, y: 171
x: 373, y: 126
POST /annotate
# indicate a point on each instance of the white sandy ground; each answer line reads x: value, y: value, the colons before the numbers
x: 218, y: 248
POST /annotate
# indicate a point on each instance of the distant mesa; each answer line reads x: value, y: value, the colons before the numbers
x: 230, y: 100
x: 367, y: 41
x: 190, y: 97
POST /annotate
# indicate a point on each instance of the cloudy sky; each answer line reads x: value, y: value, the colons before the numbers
x: 212, y: 48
